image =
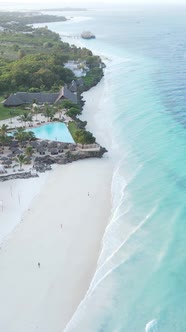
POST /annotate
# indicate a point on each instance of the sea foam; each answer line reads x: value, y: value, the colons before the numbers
x: 151, y: 326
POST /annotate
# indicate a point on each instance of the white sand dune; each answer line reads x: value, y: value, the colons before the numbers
x: 62, y: 231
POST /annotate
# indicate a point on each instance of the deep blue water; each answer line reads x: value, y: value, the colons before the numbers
x: 140, y: 284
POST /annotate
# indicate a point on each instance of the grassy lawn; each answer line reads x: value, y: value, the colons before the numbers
x: 72, y: 128
x: 5, y: 111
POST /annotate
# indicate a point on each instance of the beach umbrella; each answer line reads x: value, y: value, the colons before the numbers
x: 4, y: 158
x: 24, y: 144
x: 52, y: 145
x: 14, y: 144
x: 60, y: 149
x: 34, y: 144
x: 41, y: 150
x: 11, y: 155
x: 61, y: 145
x: 54, y: 151
x: 14, y: 149
x: 18, y: 151
x: 43, y: 143
x: 7, y: 162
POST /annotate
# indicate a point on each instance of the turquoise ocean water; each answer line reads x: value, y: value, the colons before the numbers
x: 140, y: 283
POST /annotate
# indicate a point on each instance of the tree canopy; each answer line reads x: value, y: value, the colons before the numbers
x: 34, y: 71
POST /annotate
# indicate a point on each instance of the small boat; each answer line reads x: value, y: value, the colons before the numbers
x: 87, y: 35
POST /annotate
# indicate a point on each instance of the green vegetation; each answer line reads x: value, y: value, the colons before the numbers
x: 26, y: 117
x: 73, y: 109
x: 77, y: 127
x: 92, y: 78
x: 21, y: 159
x: 22, y: 135
x: 73, y: 112
x: 19, y: 20
x: 49, y: 112
x: 81, y: 136
x: 29, y: 151
x: 8, y: 113
x: 38, y: 72
x: 34, y: 60
x: 3, y: 130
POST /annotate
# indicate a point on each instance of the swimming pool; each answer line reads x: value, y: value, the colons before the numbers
x: 56, y: 131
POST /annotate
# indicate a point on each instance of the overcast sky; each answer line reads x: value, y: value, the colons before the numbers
x: 88, y: 3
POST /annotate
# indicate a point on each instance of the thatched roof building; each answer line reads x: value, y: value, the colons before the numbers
x: 65, y: 93
x: 21, y: 98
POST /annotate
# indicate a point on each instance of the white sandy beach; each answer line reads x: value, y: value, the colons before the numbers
x: 62, y: 231
x: 15, y: 199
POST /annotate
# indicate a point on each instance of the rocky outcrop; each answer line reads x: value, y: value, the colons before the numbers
x: 43, y: 163
x: 87, y: 35
x: 21, y: 175
x: 67, y: 157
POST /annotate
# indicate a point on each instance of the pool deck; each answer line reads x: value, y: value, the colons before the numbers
x: 41, y: 119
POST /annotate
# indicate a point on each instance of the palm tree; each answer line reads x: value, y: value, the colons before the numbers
x: 4, y: 140
x: 58, y: 108
x: 20, y: 135
x: 3, y: 130
x: 11, y: 115
x: 29, y: 151
x: 3, y: 134
x: 26, y: 117
x: 30, y: 136
x: 35, y: 109
x: 48, y: 112
x: 21, y: 159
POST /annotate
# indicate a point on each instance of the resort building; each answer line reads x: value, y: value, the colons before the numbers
x: 21, y: 98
